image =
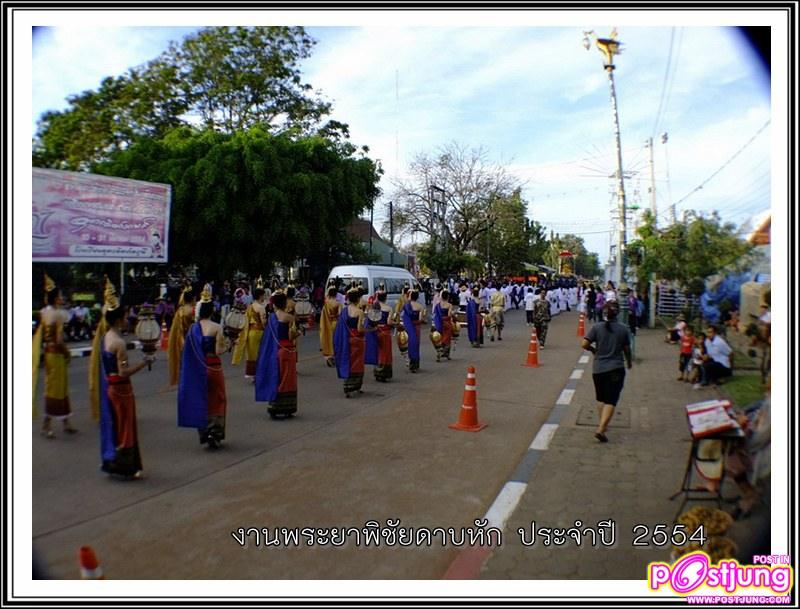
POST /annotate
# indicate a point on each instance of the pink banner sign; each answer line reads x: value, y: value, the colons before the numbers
x: 83, y: 217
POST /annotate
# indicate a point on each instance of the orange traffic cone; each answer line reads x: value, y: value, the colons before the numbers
x: 581, y: 325
x: 468, y: 417
x: 164, y: 336
x: 90, y: 568
x: 533, y: 352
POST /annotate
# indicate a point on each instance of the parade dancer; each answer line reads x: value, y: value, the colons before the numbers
x: 402, y: 331
x: 56, y: 359
x: 112, y: 393
x: 383, y: 371
x: 276, y: 371
x: 443, y: 323
x: 348, y: 342
x: 202, y: 402
x: 327, y: 324
x: 474, y: 320
x: 413, y: 318
x: 497, y: 314
x: 181, y: 323
x: 250, y: 338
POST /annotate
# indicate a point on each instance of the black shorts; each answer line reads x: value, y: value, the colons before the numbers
x: 608, y: 386
x: 683, y: 361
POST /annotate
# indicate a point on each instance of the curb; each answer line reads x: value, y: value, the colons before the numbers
x: 470, y: 561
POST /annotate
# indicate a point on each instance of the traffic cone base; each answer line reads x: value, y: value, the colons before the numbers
x: 468, y: 417
x: 164, y: 336
x: 533, y: 352
x: 90, y: 568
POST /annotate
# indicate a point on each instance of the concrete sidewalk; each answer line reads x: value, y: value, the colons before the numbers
x: 628, y: 480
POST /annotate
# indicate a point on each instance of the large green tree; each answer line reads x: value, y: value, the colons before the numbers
x: 251, y: 199
x: 688, y: 252
x: 586, y: 263
x: 512, y: 239
x: 227, y: 78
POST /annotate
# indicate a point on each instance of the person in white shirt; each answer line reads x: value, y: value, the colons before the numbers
x: 562, y: 299
x: 483, y: 297
x: 573, y: 297
x: 463, y: 297
x: 718, y: 364
x: 530, y: 298
x: 676, y: 333
x: 552, y: 298
x: 610, y: 292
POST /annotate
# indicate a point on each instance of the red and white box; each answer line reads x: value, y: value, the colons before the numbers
x: 710, y: 418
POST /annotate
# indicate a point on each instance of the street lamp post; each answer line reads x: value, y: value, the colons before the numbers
x: 438, y: 207
x: 609, y: 47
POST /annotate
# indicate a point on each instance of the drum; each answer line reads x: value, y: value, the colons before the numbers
x: 436, y: 338
x: 303, y: 310
x: 402, y: 338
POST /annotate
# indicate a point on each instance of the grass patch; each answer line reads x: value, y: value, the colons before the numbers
x: 743, y: 389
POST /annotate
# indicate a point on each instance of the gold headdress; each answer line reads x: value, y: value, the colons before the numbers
x: 49, y: 284
x: 182, y: 299
x: 205, y: 295
x: 259, y: 283
x: 110, y: 300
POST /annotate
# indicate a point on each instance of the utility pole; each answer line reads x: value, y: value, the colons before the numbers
x: 664, y: 140
x: 391, y: 233
x: 609, y: 47
x: 371, y: 219
x: 651, y: 316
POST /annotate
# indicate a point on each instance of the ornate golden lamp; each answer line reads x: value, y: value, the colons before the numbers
x: 148, y: 332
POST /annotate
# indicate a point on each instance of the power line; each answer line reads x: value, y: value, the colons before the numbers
x: 724, y: 165
x: 664, y: 83
x: 671, y: 82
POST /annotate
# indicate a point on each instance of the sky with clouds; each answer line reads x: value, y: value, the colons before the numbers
x: 530, y: 95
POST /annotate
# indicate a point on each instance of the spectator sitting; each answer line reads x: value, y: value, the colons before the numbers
x: 749, y: 463
x: 718, y: 362
x: 676, y: 333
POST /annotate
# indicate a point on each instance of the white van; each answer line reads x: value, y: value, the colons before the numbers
x: 392, y: 277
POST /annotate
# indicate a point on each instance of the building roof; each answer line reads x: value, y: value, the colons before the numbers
x: 762, y: 229
x: 361, y: 229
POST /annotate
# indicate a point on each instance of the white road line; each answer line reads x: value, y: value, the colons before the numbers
x: 577, y: 373
x: 505, y: 504
x: 584, y: 359
x: 566, y: 397
x: 542, y: 439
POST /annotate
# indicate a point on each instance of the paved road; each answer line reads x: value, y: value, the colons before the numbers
x: 387, y: 454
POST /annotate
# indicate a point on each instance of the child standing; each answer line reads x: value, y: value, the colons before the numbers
x: 685, y: 357
x: 697, y: 374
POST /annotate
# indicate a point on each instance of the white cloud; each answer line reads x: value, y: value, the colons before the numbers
x: 531, y: 95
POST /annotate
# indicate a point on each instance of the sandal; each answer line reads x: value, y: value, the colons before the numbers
x: 601, y: 437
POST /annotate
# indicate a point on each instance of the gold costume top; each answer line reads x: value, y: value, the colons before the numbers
x: 255, y: 323
x: 181, y: 324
